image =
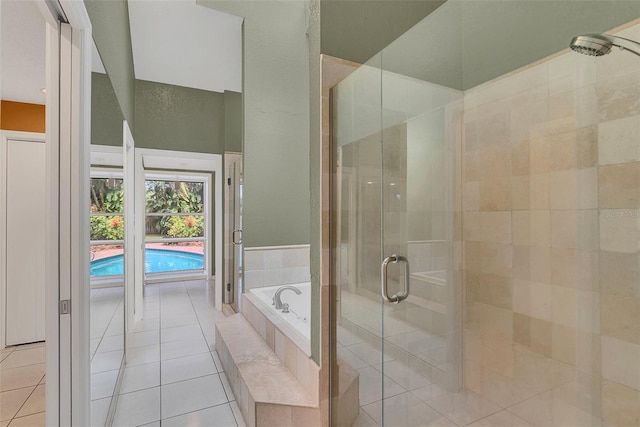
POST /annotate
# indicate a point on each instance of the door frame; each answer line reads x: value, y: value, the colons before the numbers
x: 5, y: 136
x: 187, y: 162
x: 68, y: 135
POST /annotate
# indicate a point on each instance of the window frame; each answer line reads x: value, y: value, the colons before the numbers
x: 207, y: 198
x: 106, y: 172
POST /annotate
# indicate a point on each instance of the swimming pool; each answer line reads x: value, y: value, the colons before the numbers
x: 156, y: 261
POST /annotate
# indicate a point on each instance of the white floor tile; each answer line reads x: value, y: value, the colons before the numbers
x: 137, y: 408
x: 219, y: 416
x: 140, y: 377
x: 350, y: 358
x: 179, y: 320
x: 11, y: 402
x: 415, y: 416
x: 19, y: 358
x: 416, y: 341
x: 428, y: 392
x: 175, y: 349
x: 346, y: 337
x: 35, y: 420
x: 152, y: 324
x: 93, y: 345
x: 142, y: 339
x: 103, y: 384
x: 143, y: 355
x: 371, y: 386
x: 464, y: 407
x: 501, y: 419
x: 21, y: 377
x: 405, y: 376
x: 4, y: 353
x: 181, y: 333
x: 363, y: 419
x: 99, y: 412
x: 111, y: 343
x: 189, y: 367
x: 547, y: 410
x: 369, y: 353
x: 191, y: 395
x: 400, y: 402
x: 103, y: 362
x: 35, y: 404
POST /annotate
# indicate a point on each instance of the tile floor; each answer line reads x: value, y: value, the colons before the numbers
x: 544, y: 396
x: 173, y: 376
x: 410, y: 398
x: 22, y: 385
x: 106, y: 348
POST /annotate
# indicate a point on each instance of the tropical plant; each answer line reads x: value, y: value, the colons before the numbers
x: 107, y: 228
x: 185, y: 226
x: 107, y: 195
x: 172, y: 197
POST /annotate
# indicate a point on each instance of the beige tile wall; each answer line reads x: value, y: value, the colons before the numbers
x: 275, y: 266
x: 551, y: 201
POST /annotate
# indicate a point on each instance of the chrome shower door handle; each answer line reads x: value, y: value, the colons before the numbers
x: 233, y: 237
x: 383, y: 274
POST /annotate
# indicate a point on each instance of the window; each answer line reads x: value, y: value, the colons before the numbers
x: 107, y: 224
x: 175, y: 224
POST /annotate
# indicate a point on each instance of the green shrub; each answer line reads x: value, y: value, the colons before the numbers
x: 107, y: 228
x: 185, y: 226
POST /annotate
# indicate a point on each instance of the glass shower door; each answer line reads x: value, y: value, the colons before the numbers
x: 234, y: 287
x: 357, y: 318
x: 397, y: 304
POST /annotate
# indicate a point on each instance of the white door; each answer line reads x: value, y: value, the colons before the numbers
x: 25, y: 242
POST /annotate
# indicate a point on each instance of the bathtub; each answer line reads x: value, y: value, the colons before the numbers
x: 299, y: 305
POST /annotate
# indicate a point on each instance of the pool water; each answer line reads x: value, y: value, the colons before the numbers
x: 156, y: 261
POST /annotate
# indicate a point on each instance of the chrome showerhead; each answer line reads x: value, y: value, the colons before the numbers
x: 591, y: 44
x: 601, y: 44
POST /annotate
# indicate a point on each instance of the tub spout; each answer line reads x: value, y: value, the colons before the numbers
x: 281, y: 289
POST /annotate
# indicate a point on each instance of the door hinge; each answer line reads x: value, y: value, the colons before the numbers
x: 228, y: 287
x: 228, y: 181
x: 65, y: 306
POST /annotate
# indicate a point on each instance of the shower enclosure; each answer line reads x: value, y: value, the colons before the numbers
x: 485, y: 205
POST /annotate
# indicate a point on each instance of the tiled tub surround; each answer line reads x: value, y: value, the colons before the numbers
x: 280, y: 350
x: 275, y: 265
x: 551, y: 187
x: 287, y: 342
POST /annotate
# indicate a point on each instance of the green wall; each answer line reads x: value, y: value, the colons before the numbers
x: 233, y: 121
x: 178, y: 118
x: 106, y: 117
x: 276, y: 120
x: 110, y: 22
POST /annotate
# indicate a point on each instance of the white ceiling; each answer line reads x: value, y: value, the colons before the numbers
x: 96, y: 61
x: 174, y: 42
x: 181, y: 43
x: 23, y: 52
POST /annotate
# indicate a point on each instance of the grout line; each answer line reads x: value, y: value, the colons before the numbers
x: 198, y: 410
x: 23, y: 403
x: 234, y: 413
